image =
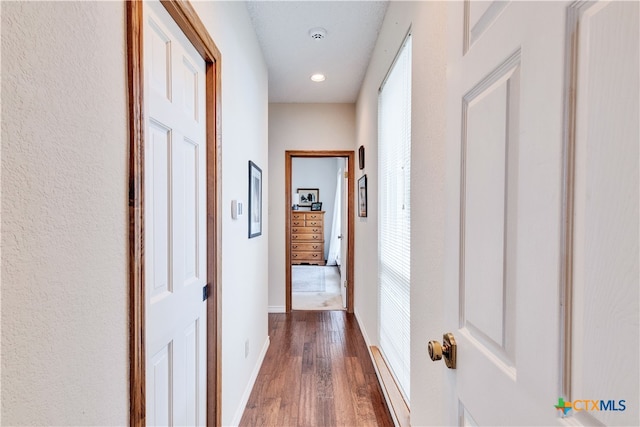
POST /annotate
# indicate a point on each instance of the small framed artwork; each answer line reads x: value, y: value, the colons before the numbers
x: 255, y: 200
x: 308, y: 196
x: 316, y: 206
x: 361, y: 157
x: 362, y: 196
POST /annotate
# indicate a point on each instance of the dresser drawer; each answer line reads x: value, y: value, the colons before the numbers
x: 308, y: 237
x: 313, y: 223
x: 306, y: 230
x: 299, y: 216
x: 307, y: 256
x: 307, y: 247
x: 317, y: 216
x: 297, y: 222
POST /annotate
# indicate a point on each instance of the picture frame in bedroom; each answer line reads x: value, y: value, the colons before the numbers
x: 308, y: 196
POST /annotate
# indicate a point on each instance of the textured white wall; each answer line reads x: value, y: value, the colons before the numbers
x: 321, y: 174
x: 298, y: 127
x: 64, y: 210
x: 64, y: 214
x: 427, y: 21
x: 245, y: 262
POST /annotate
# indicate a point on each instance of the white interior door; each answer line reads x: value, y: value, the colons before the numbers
x: 344, y: 232
x: 175, y: 228
x: 534, y: 87
x: 505, y: 128
x: 605, y: 234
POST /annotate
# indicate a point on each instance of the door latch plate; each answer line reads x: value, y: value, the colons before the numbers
x: 448, y: 349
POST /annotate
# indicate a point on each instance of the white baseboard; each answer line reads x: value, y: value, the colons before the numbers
x: 364, y: 332
x: 367, y: 341
x: 276, y: 309
x: 252, y: 380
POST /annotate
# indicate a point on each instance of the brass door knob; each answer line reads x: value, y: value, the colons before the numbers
x: 448, y: 350
x: 435, y: 350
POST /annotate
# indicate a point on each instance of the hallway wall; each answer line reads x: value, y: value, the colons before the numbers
x: 245, y: 262
x: 65, y: 289
x: 64, y: 214
x: 427, y: 21
x: 298, y: 127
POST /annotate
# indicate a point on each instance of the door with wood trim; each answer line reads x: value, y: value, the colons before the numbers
x: 348, y: 256
x: 175, y: 223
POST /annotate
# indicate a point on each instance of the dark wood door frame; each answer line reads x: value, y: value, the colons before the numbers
x: 187, y: 19
x: 350, y: 155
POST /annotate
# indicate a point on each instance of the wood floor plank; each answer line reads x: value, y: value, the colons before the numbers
x: 341, y: 388
x: 377, y: 401
x: 308, y: 402
x: 317, y: 372
x: 324, y: 379
x: 360, y: 393
x: 290, y: 397
x: 326, y: 413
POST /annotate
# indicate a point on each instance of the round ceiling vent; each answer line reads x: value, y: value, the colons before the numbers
x: 318, y: 33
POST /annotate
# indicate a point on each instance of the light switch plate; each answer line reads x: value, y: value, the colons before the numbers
x: 236, y: 208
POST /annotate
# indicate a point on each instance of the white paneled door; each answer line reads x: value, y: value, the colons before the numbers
x: 175, y: 227
x: 509, y: 123
x: 605, y: 275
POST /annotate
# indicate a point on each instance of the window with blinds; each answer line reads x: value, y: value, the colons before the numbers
x: 394, y: 223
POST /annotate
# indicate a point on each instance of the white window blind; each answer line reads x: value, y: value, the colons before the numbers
x: 394, y: 225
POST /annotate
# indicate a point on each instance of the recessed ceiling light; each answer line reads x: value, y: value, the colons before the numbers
x: 318, y: 77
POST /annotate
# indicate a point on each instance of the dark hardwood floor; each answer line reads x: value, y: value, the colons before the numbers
x: 317, y: 372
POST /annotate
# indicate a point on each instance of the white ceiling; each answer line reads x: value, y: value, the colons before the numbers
x: 292, y: 56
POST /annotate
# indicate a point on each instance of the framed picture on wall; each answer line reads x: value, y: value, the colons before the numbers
x: 255, y: 200
x: 308, y: 196
x: 362, y: 196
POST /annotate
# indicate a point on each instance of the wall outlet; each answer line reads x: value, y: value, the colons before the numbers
x: 246, y: 349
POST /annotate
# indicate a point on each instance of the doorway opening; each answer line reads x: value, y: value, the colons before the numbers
x: 319, y: 230
x: 315, y: 287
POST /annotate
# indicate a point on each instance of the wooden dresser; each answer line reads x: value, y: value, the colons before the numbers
x: 307, y: 237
